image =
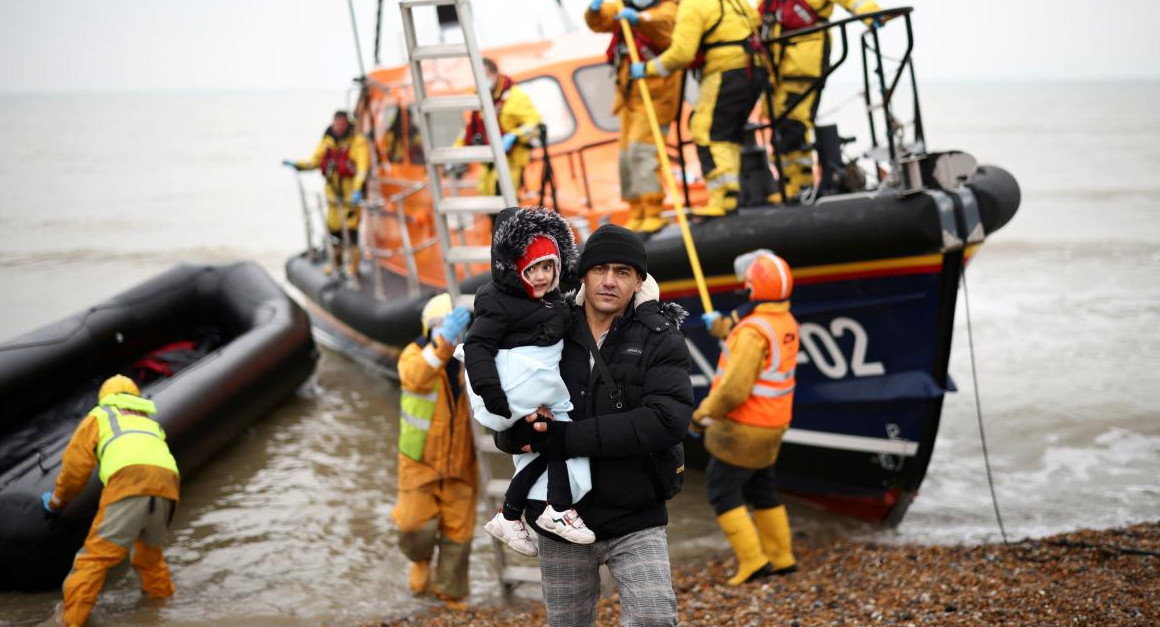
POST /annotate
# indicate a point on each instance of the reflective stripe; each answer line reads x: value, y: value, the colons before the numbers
x: 431, y: 357
x: 117, y: 432
x: 417, y: 422
x: 777, y: 377
x: 659, y: 68
x: 857, y: 5
x: 724, y: 179
x: 767, y: 392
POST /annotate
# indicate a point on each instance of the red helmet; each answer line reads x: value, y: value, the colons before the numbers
x: 767, y: 276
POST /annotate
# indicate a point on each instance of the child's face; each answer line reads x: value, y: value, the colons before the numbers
x: 541, y: 275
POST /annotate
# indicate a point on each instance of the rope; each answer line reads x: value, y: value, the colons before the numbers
x: 378, y: 31
x: 979, y: 405
x: 362, y: 71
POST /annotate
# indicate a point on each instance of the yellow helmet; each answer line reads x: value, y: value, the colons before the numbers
x: 435, y: 310
x: 117, y: 384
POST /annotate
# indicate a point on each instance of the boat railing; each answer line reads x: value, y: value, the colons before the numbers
x: 394, y: 206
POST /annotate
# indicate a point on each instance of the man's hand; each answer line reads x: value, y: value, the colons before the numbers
x: 629, y: 14
x: 637, y: 70
x: 541, y: 412
x: 46, y: 502
x: 454, y: 324
x: 356, y: 197
x: 290, y: 164
x: 595, y: 6
x: 552, y: 446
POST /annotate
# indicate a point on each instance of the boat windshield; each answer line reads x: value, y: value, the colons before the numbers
x: 545, y: 91
x: 597, y: 84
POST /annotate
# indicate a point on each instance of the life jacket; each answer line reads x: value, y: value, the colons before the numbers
x: 770, y: 402
x: 336, y: 161
x: 752, y: 44
x: 129, y: 439
x: 618, y: 50
x: 417, y: 412
x: 476, y: 134
x: 791, y: 14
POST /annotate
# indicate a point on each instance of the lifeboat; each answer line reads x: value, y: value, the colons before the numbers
x: 215, y: 347
x: 878, y: 251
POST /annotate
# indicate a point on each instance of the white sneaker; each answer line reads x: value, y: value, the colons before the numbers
x: 566, y: 524
x: 513, y: 533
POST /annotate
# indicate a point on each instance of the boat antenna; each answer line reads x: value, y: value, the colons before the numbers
x: 378, y: 31
x: 362, y: 72
x: 979, y: 406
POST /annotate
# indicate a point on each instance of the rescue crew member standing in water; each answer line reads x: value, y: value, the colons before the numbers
x: 438, y: 476
x: 141, y: 490
x: 344, y: 157
x: 652, y: 26
x: 732, y: 81
x: 518, y: 121
x: 798, y: 63
x: 745, y: 416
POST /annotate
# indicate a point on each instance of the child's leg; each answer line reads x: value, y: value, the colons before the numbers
x: 559, y: 487
x: 516, y: 497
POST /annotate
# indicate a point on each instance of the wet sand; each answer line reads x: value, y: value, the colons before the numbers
x: 1109, y: 577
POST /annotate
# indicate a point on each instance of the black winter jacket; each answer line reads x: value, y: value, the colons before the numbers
x: 648, y: 357
x: 505, y: 316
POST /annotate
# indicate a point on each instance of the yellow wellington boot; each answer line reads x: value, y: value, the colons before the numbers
x: 419, y: 577
x: 653, y: 205
x: 776, y: 539
x: 742, y: 535
x: 635, y: 214
x: 798, y: 169
x: 354, y: 258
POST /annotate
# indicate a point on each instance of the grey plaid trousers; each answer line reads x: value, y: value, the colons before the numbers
x: 639, y: 562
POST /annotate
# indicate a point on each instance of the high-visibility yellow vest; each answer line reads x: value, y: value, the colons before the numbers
x: 417, y: 411
x: 129, y: 440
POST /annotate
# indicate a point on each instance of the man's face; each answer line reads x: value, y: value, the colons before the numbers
x: 341, y: 124
x: 608, y: 287
x: 491, y: 76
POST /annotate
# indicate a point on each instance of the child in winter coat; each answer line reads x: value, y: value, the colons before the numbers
x: 512, y: 354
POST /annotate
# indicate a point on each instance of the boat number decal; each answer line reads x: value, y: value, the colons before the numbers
x: 821, y: 349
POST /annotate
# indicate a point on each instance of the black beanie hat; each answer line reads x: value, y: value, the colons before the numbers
x: 614, y: 244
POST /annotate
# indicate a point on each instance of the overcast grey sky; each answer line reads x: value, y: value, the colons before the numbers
x: 118, y: 45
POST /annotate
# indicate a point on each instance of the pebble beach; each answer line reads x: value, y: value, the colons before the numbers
x: 1086, y: 577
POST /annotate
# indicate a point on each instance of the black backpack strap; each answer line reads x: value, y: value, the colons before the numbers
x: 616, y: 392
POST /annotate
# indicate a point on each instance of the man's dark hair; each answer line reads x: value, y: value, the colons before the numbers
x: 490, y: 65
x: 342, y: 114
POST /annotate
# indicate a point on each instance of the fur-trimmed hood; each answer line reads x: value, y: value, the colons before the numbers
x: 515, y: 229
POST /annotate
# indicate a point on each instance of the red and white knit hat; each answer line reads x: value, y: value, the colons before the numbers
x: 542, y: 247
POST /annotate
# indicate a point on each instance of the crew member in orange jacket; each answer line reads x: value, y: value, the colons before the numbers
x: 141, y: 490
x: 745, y: 415
x: 438, y: 477
x: 652, y: 27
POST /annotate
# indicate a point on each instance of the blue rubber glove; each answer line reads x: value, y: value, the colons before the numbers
x: 709, y: 317
x: 595, y: 6
x: 356, y: 197
x: 290, y: 164
x: 637, y: 70
x: 454, y: 324
x: 629, y: 14
x: 46, y: 501
x: 509, y: 140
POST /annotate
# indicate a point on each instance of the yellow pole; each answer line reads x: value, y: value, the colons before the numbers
x: 667, y: 171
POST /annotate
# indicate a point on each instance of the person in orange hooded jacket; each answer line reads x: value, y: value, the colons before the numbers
x: 141, y: 490
x: 745, y: 416
x: 438, y: 476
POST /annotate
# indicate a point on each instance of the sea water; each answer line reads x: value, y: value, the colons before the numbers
x: 291, y: 524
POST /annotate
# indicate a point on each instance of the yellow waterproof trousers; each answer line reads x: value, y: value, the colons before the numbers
x: 439, y: 513
x: 347, y: 215
x: 518, y: 158
x: 137, y: 522
x: 718, y: 129
x: 799, y: 64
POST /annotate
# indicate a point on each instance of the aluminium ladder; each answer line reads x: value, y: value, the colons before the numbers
x: 447, y: 207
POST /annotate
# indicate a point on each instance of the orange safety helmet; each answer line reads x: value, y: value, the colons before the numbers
x: 117, y: 384
x: 767, y: 276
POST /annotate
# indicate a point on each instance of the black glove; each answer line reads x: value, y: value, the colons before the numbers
x: 521, y: 433
x: 552, y: 444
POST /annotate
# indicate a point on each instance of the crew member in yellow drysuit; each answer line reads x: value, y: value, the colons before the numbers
x: 652, y: 26
x: 141, y: 490
x: 344, y: 157
x: 732, y: 81
x: 518, y: 122
x: 745, y: 416
x: 799, y: 63
x: 438, y: 477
